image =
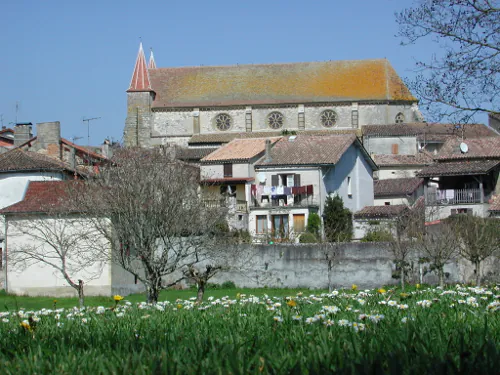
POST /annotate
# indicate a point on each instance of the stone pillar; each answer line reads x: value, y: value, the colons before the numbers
x: 301, y: 117
x: 248, y: 119
x: 196, y: 121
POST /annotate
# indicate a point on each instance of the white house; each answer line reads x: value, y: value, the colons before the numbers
x: 36, y: 226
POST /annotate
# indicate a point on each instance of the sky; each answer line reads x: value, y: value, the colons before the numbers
x: 69, y: 60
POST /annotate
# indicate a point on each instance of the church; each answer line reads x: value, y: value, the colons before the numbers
x: 173, y: 105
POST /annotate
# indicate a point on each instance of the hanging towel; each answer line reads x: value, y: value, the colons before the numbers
x: 273, y: 190
x: 450, y: 193
x: 309, y: 189
x: 253, y: 190
x: 280, y: 190
x: 287, y: 190
x: 267, y: 190
x: 295, y: 190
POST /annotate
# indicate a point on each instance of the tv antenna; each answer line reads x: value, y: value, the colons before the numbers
x: 88, y: 132
x: 75, y: 138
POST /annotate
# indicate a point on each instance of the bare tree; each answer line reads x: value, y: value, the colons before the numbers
x: 439, y: 245
x: 148, y: 206
x: 479, y: 239
x: 67, y: 243
x: 464, y: 79
x: 406, y: 227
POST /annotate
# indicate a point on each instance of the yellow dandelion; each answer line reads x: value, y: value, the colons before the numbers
x: 291, y: 303
x: 179, y: 306
x: 381, y: 291
x: 417, y: 286
x: 25, y: 324
x: 354, y: 287
x: 238, y: 295
x: 117, y: 298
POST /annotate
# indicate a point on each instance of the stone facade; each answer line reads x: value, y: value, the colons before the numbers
x: 147, y: 128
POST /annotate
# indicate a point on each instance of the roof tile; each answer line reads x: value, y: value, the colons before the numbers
x: 386, y: 160
x: 380, y: 212
x: 239, y: 150
x: 429, y: 131
x: 478, y: 148
x: 19, y: 160
x: 459, y: 168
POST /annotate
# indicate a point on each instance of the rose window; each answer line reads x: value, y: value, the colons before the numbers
x: 328, y: 118
x: 223, y: 121
x: 275, y: 120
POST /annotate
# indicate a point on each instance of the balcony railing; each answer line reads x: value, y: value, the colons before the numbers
x: 453, y: 196
x: 281, y: 204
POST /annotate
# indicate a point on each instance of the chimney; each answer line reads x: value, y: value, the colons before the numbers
x: 22, y: 133
x: 48, y: 136
x: 268, y: 151
x: 106, y: 149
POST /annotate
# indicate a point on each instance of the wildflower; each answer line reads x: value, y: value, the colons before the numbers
x: 392, y: 303
x: 404, y: 320
x: 119, y: 315
x: 5, y: 320
x: 299, y: 294
x: 417, y: 286
x: 238, y: 295
x: 310, y: 320
x: 402, y: 307
x: 296, y: 317
x: 100, y: 310
x: 403, y: 295
x: 84, y: 320
x: 344, y: 323
x: 376, y: 318
x: 291, y: 303
x: 179, y: 306
x: 381, y: 291
x: 26, y: 325
x: 328, y: 322
x: 278, y: 319
x: 354, y: 287
x: 145, y: 316
x: 117, y: 298
x: 362, y: 316
x: 361, y: 301
x: 424, y: 303
x: 57, y: 316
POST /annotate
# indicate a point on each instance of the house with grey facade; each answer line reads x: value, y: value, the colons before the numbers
x: 395, y: 191
x: 172, y: 105
x: 465, y: 178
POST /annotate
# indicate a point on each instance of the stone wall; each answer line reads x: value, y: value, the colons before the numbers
x: 368, y: 265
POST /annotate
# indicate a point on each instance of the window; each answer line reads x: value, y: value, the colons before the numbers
x: 223, y: 121
x: 261, y: 226
x: 299, y: 223
x: 387, y: 203
x: 290, y: 179
x: 228, y: 170
x: 349, y: 186
x: 229, y: 190
x: 328, y: 118
x: 280, y: 226
x: 400, y: 118
x: 275, y: 120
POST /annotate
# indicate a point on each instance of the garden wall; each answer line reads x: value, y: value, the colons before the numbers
x: 368, y: 265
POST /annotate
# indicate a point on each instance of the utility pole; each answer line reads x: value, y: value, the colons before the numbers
x: 88, y: 133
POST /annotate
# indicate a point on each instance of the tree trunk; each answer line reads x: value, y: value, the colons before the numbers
x: 441, y: 277
x: 152, y: 294
x: 330, y: 286
x: 402, y: 278
x: 201, y: 291
x: 81, y: 297
x: 477, y: 263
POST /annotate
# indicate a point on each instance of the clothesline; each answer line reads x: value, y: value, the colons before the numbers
x: 259, y: 190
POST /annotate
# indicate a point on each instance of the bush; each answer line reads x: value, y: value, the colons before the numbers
x: 337, y: 220
x: 228, y: 285
x: 314, y: 224
x: 308, y: 238
x: 378, y: 235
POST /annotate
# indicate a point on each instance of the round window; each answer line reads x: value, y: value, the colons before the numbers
x: 275, y: 120
x: 223, y: 121
x: 328, y: 118
x: 400, y: 118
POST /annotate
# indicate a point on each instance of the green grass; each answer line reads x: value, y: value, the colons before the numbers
x: 346, y: 332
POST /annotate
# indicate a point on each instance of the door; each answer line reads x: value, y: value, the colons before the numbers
x: 299, y: 223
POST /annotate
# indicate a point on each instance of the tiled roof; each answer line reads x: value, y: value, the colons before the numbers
x: 225, y: 137
x: 83, y: 150
x: 459, y: 168
x: 19, y: 160
x: 140, y: 77
x: 239, y: 150
x: 309, y: 82
x: 495, y: 203
x: 193, y: 154
x: 429, y: 131
x: 478, y: 148
x: 380, y: 212
x: 42, y: 196
x: 396, y: 186
x: 422, y: 158
x: 309, y: 150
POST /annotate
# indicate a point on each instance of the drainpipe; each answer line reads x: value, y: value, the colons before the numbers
x: 5, y: 284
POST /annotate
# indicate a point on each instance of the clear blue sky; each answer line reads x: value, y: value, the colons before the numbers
x: 63, y: 60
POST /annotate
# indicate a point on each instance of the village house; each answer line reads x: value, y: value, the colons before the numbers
x: 396, y: 191
x: 464, y: 178
x: 6, y: 139
x: 37, y: 225
x: 276, y: 182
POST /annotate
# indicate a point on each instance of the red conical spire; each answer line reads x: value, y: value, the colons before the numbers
x: 140, y: 78
x: 152, y: 64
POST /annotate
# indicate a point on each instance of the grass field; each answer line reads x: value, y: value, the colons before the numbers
x: 423, y: 331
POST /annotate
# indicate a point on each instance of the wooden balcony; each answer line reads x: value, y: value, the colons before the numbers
x: 454, y: 196
x: 232, y: 204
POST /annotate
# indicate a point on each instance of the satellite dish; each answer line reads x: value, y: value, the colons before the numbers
x: 464, y: 148
x: 261, y: 177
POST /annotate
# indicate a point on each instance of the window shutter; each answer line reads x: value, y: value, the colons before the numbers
x: 228, y: 170
x: 296, y: 181
x: 395, y: 148
x: 275, y: 180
